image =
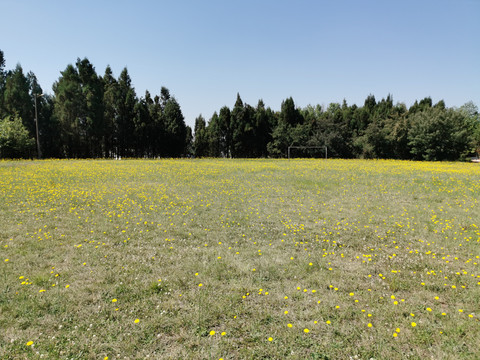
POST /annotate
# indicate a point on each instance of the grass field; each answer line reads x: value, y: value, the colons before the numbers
x: 239, y: 259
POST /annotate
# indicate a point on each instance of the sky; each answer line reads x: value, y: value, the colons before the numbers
x: 205, y: 52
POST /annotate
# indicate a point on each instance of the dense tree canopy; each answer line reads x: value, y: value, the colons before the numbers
x: 94, y: 116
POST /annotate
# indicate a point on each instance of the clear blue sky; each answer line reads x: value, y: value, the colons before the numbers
x: 205, y: 52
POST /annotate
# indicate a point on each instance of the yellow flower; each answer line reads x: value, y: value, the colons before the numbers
x: 306, y: 331
x: 369, y: 325
x: 212, y: 332
x: 30, y: 343
x: 137, y: 321
x: 289, y: 325
x: 414, y: 324
x: 270, y: 339
x: 114, y: 300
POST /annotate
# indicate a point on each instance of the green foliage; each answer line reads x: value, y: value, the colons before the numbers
x: 201, y: 139
x: 15, y: 140
x: 16, y: 98
x: 175, y: 129
x: 437, y: 134
x: 69, y: 109
x: 95, y: 116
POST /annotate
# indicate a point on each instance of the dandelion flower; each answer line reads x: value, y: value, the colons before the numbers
x: 306, y: 331
x: 212, y: 332
x: 137, y: 321
x: 30, y: 343
x: 270, y: 339
x: 414, y: 324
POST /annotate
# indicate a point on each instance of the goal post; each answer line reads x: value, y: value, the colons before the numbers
x: 308, y: 147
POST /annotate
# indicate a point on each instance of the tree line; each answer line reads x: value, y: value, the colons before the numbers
x: 382, y: 129
x: 92, y: 116
x: 88, y: 116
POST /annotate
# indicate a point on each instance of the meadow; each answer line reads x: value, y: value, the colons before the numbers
x: 239, y: 259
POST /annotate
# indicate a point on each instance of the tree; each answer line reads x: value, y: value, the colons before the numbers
x: 124, y: 122
x: 189, y: 142
x: 110, y: 112
x: 92, y: 96
x: 437, y: 134
x: 213, y: 133
x: 158, y: 123
x: 200, y: 145
x: 175, y: 129
x: 15, y: 140
x: 16, y: 98
x: 143, y: 127
x: 288, y: 118
x: 263, y: 123
x: 69, y: 110
x: 243, y: 130
x: 225, y: 131
x: 472, y: 117
x: 49, y: 128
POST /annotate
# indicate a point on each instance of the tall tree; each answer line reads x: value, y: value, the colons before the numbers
x: 175, y: 128
x: 92, y: 93
x: 263, y: 123
x: 69, y: 110
x: 282, y: 137
x: 143, y: 128
x: 158, y: 123
x: 243, y: 129
x: 201, y: 138
x: 125, y: 126
x: 225, y: 131
x: 110, y: 112
x: 17, y: 100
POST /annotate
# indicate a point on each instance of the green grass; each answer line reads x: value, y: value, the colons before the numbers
x: 88, y: 247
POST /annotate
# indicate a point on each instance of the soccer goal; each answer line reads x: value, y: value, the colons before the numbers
x: 308, y: 151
